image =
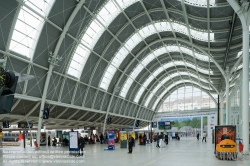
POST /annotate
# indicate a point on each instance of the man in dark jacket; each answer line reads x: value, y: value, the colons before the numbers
x: 157, y: 139
x: 131, y: 142
x: 81, y: 144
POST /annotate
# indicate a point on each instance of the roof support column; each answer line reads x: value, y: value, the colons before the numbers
x: 243, y: 14
x: 245, y: 87
x: 227, y: 96
x: 221, y: 110
x: 40, y: 118
x: 53, y: 61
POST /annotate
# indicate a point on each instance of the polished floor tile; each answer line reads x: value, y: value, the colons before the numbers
x: 186, y: 152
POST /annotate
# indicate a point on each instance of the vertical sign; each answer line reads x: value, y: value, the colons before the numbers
x: 73, y: 143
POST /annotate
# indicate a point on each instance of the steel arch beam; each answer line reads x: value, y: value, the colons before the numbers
x: 187, y: 69
x: 180, y: 40
x: 54, y: 59
x: 188, y: 83
x: 174, y: 78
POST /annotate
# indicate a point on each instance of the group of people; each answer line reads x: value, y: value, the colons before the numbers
x: 94, y: 138
x: 204, y: 136
x: 63, y: 141
x: 143, y: 139
x: 161, y: 140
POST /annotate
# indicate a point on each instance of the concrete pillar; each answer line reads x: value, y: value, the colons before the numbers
x: 201, y: 126
x: 227, y: 96
x: 245, y: 87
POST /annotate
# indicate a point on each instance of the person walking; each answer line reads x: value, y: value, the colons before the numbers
x: 198, y: 135
x: 131, y: 142
x: 157, y: 139
x: 49, y: 140
x: 81, y: 144
x: 204, y: 137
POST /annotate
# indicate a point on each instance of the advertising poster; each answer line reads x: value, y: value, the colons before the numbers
x: 43, y: 139
x: 73, y: 140
x: 222, y: 131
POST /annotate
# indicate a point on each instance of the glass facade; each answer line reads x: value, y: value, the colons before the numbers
x: 188, y: 98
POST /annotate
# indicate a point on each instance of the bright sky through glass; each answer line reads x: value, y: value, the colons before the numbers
x: 28, y: 27
x: 150, y: 57
x: 165, y: 80
x: 93, y: 32
x: 143, y: 33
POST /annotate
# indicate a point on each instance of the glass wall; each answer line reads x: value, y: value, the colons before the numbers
x: 188, y: 98
x: 235, y: 106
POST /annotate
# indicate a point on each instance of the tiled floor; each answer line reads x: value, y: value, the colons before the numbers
x: 186, y: 152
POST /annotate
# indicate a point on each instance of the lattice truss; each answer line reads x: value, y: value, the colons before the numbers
x: 120, y: 58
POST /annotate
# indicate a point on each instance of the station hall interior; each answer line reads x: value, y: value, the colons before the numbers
x: 121, y: 68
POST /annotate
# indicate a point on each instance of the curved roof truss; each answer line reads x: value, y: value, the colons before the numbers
x: 150, y: 57
x: 139, y: 36
x: 166, y: 79
x: 171, y: 88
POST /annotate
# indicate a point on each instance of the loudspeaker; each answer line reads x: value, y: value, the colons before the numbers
x: 6, y: 104
x: 46, y: 113
x: 6, y: 124
x: 7, y: 96
x: 137, y: 123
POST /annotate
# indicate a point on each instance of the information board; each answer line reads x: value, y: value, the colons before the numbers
x: 154, y: 124
x: 73, y: 140
x: 161, y: 125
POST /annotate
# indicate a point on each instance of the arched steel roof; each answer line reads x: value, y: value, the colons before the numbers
x: 100, y: 55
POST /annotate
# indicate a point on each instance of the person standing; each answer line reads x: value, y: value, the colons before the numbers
x: 204, y: 137
x: 198, y: 135
x: 101, y: 138
x: 131, y: 142
x: 144, y: 139
x: 49, y: 140
x: 81, y: 144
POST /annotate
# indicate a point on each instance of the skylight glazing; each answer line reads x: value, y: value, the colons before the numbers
x: 150, y: 57
x: 165, y: 80
x: 28, y: 27
x: 200, y: 2
x: 145, y: 32
x: 173, y: 85
x: 93, y: 32
x: 160, y: 69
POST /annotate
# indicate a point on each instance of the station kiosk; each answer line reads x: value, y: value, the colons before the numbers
x: 111, y: 140
x: 123, y: 139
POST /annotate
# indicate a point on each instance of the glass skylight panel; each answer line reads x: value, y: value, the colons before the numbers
x: 41, y: 6
x: 146, y: 31
x: 28, y: 27
x: 239, y: 54
x: 98, y: 25
x: 138, y: 95
x: 170, y: 87
x: 80, y: 56
x: 200, y: 2
x: 164, y: 67
x: 203, y: 36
